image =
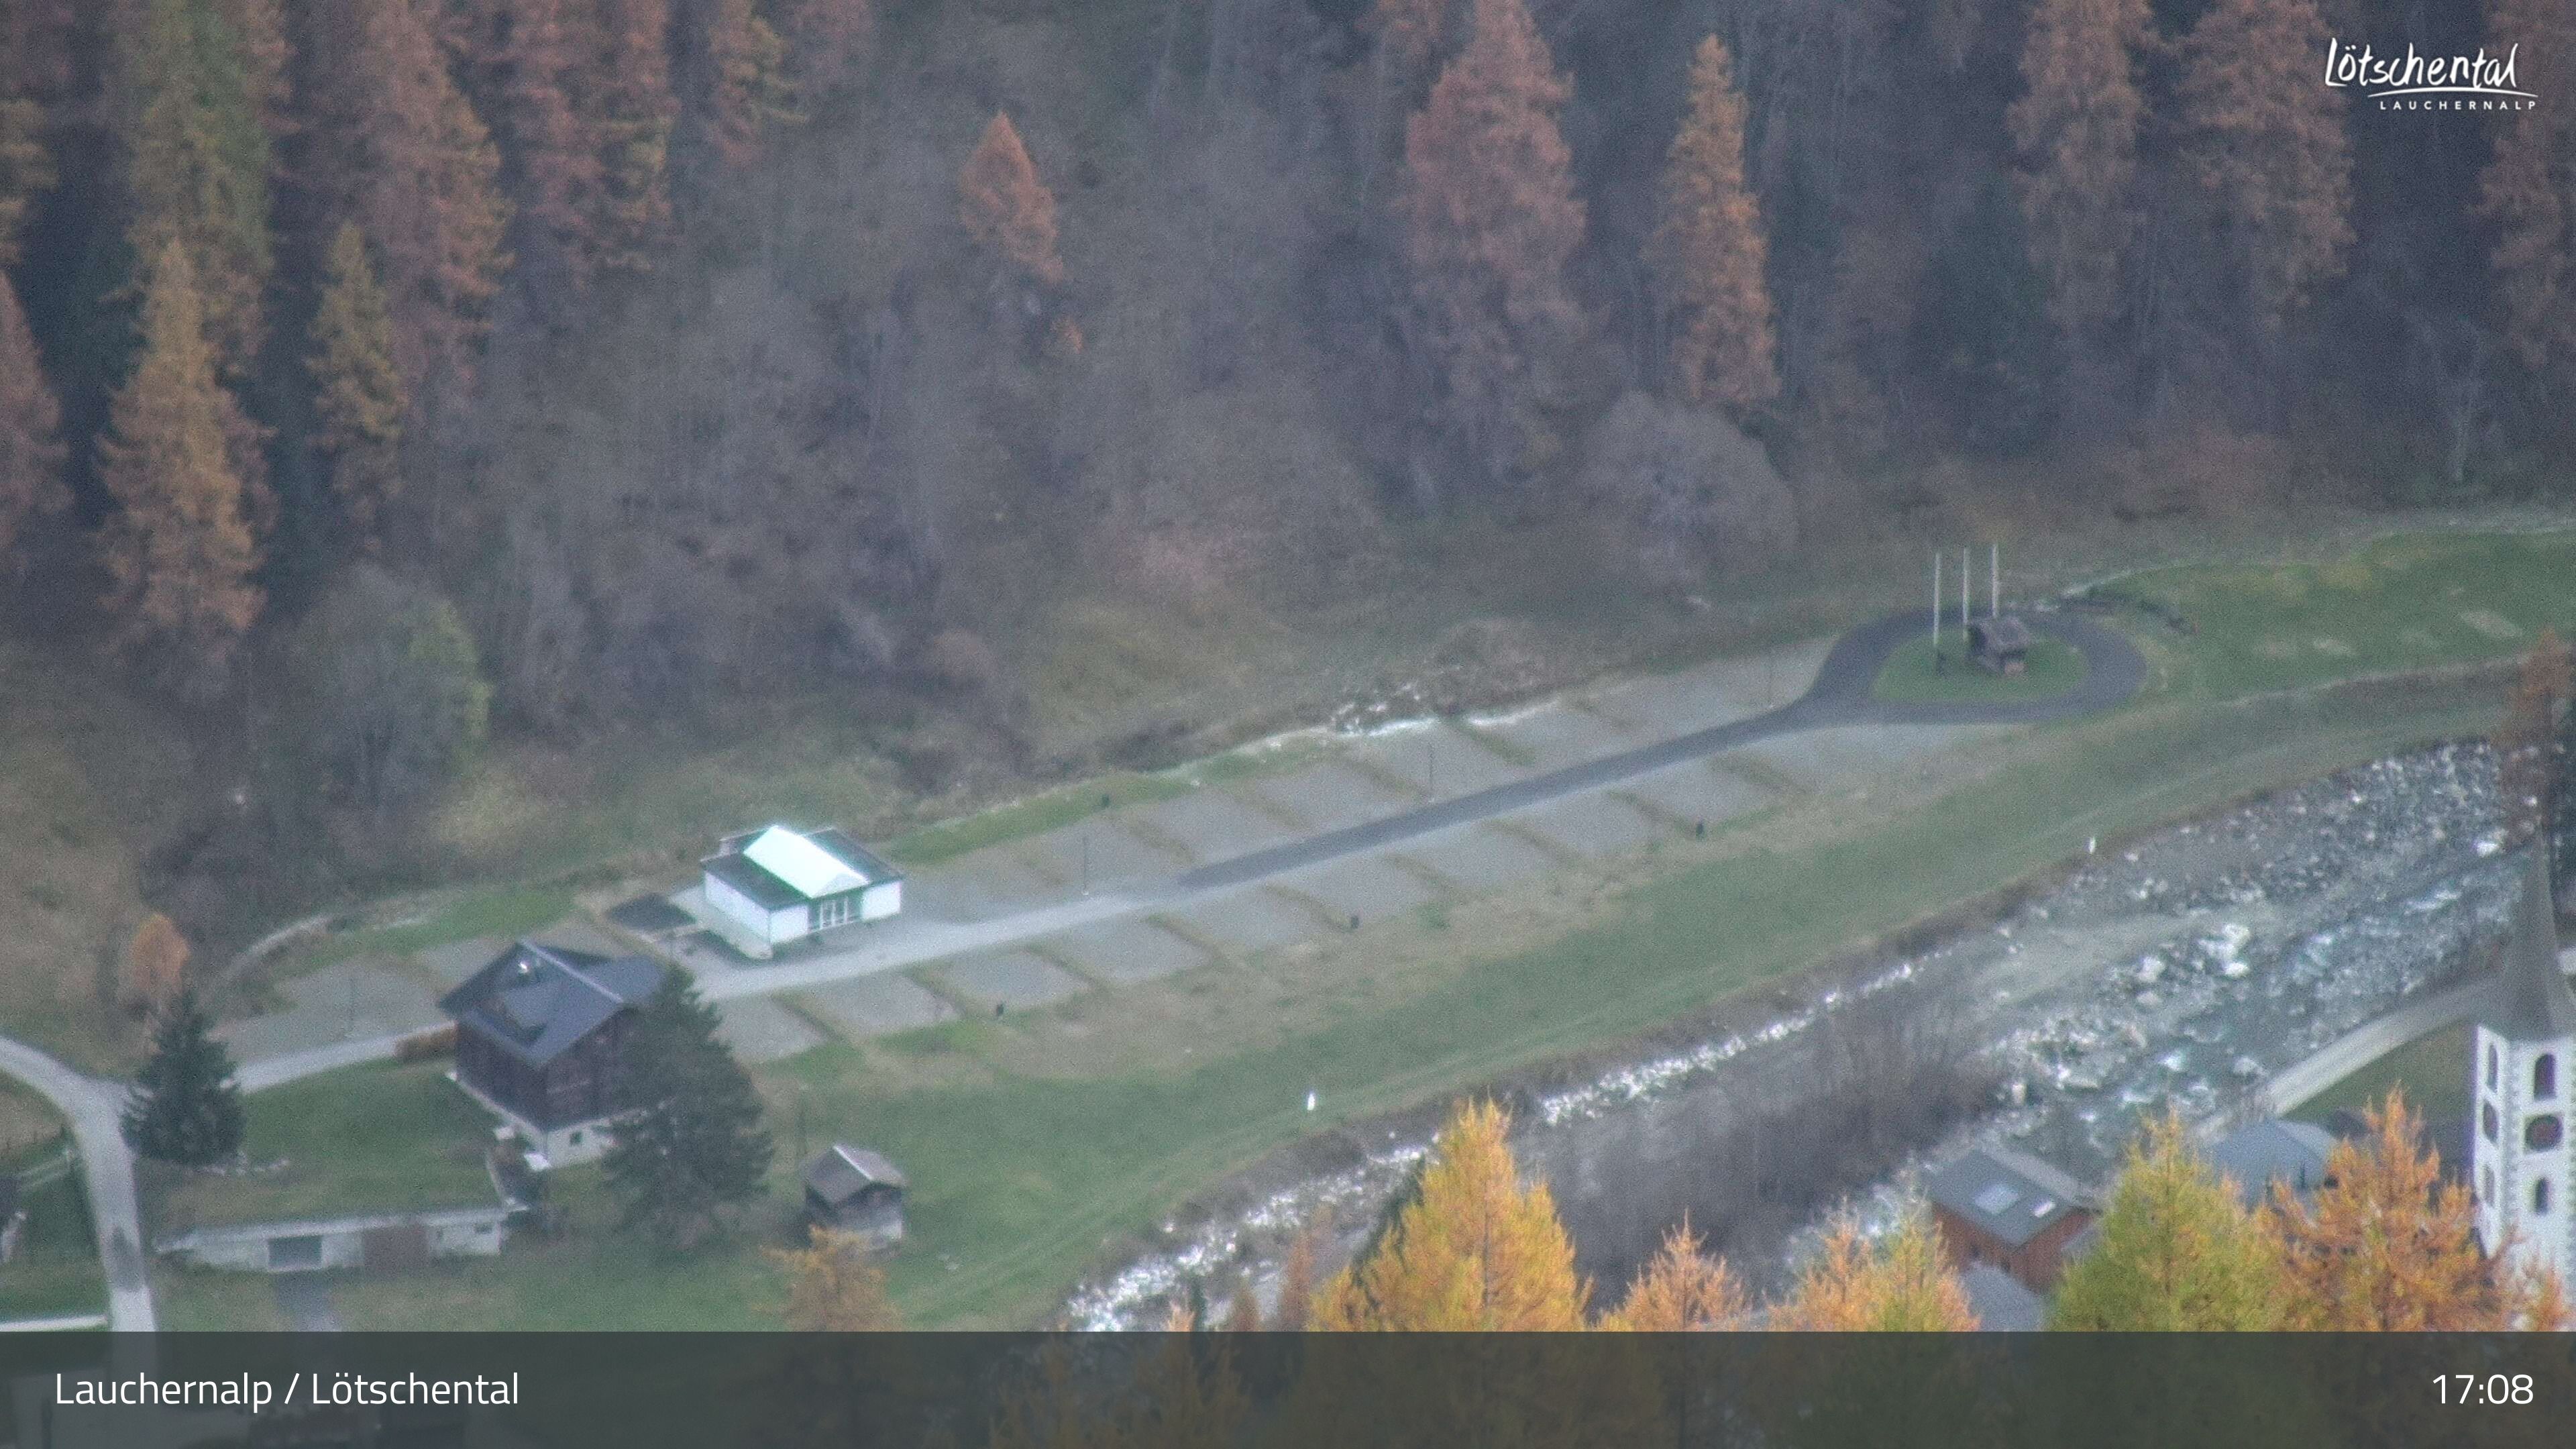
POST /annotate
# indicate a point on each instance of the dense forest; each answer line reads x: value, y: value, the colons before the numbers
x: 379, y: 374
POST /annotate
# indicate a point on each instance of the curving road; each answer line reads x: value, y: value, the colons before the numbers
x: 1839, y: 697
x: 93, y: 1108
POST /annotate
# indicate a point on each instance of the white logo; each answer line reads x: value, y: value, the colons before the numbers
x: 2479, y: 82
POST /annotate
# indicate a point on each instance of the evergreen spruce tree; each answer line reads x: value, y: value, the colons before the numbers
x: 693, y: 1144
x: 185, y: 1108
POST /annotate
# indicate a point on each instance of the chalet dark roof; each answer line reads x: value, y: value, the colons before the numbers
x: 2001, y: 1303
x: 842, y: 1172
x: 2006, y: 1193
x: 2262, y: 1153
x: 830, y: 851
x: 2530, y: 1000
x: 536, y: 1001
x: 2000, y: 634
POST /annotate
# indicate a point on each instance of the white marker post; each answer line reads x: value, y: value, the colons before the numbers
x: 1994, y: 581
x: 1964, y: 615
x: 1936, y: 609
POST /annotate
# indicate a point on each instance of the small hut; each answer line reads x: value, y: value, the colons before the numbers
x: 855, y: 1191
x: 1999, y: 645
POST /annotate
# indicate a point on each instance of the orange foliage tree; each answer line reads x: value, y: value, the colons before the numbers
x: 1490, y: 220
x: 834, y: 1286
x: 156, y: 964
x: 1709, y: 246
x: 26, y: 170
x: 180, y: 548
x: 1680, y: 1290
x: 2076, y: 127
x: 358, y: 394
x: 2386, y: 1246
x: 1474, y: 1250
x: 197, y: 159
x: 1005, y: 207
x: 621, y: 85
x: 1900, y: 1285
x: 31, y: 448
x: 2528, y: 188
x: 827, y: 42
x: 2267, y: 143
x: 519, y: 64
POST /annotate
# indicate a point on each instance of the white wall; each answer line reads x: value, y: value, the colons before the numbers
x: 790, y: 922
x: 738, y: 908
x: 881, y: 900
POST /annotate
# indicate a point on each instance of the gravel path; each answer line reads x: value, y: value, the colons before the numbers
x: 93, y: 1107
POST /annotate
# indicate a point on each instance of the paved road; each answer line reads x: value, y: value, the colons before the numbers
x: 2292, y: 1087
x: 92, y: 1107
x: 1839, y: 697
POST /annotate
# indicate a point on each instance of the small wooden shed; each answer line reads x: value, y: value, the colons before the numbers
x: 855, y: 1191
x: 2000, y: 645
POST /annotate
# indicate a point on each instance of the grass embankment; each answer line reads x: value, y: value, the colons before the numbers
x: 500, y: 911
x: 1909, y: 676
x: 2433, y: 1070
x: 376, y: 1138
x: 1070, y: 804
x: 1030, y: 1150
x: 56, y: 1271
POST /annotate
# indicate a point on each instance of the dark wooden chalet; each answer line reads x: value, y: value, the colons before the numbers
x: 2000, y: 645
x: 541, y: 1030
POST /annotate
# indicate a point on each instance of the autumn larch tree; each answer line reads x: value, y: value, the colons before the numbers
x: 834, y: 1285
x: 197, y: 159
x: 156, y: 964
x: 1490, y: 220
x: 731, y: 71
x: 826, y: 42
x: 1680, y: 1290
x: 2076, y: 128
x: 1475, y: 1250
x: 2528, y: 189
x: 31, y: 447
x: 2386, y: 1246
x: 2267, y: 144
x: 2530, y: 768
x: 35, y: 72
x: 26, y: 169
x: 1005, y: 208
x: 1708, y: 248
x: 181, y: 546
x: 1900, y: 1285
x: 358, y: 393
x: 2178, y: 1253
x: 405, y: 158
x: 520, y: 68
x: 621, y: 86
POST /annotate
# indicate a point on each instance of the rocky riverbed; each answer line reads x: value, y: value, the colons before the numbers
x: 2183, y: 968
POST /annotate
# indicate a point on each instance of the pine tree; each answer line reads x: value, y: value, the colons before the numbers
x: 1708, y: 248
x: 185, y: 1108
x: 1490, y: 220
x: 1297, y: 1280
x: 2177, y: 1252
x: 26, y: 169
x: 2076, y: 127
x: 1679, y: 1290
x: 622, y: 94
x: 826, y: 42
x: 737, y: 76
x: 181, y: 547
x: 522, y: 63
x: 1900, y: 1285
x: 156, y: 964
x: 2386, y: 1246
x: 693, y: 1144
x: 2268, y: 145
x: 834, y: 1285
x: 1005, y: 208
x: 2528, y: 189
x: 408, y: 161
x: 1475, y: 1251
x: 197, y: 160
x: 31, y: 448
x: 358, y: 394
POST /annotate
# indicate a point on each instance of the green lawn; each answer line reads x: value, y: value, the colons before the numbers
x: 1068, y: 804
x: 2404, y: 603
x: 56, y: 1271
x: 2433, y: 1070
x: 377, y: 1137
x: 1908, y: 676
x: 1020, y: 1179
x: 497, y: 911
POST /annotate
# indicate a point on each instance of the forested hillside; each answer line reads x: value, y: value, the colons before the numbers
x: 381, y: 379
